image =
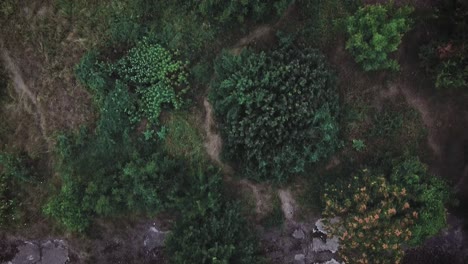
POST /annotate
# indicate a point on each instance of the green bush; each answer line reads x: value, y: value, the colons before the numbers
x: 157, y: 77
x: 374, y: 32
x: 380, y: 214
x: 453, y: 74
x: 277, y: 110
x: 212, y: 230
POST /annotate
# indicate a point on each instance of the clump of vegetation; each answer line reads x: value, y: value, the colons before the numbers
x: 446, y: 57
x: 212, y: 230
x: 232, y: 11
x: 277, y: 110
x: 13, y: 172
x: 98, y: 168
x: 157, y: 77
x: 324, y: 19
x: 182, y: 139
x: 380, y: 213
x: 275, y: 218
x: 375, y: 31
x: 358, y: 144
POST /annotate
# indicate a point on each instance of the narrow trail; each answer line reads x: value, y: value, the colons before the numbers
x: 213, y: 145
x: 22, y: 90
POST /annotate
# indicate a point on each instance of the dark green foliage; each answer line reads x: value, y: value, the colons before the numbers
x: 277, y: 110
x: 3, y: 81
x: 275, y: 218
x: 7, y: 8
x: 453, y: 74
x: 110, y: 22
x: 446, y: 56
x: 387, y: 123
x: 429, y: 195
x: 185, y: 31
x: 374, y: 32
x: 91, y: 73
x: 13, y: 172
x: 324, y: 19
x: 392, y: 125
x: 232, y: 11
x: 212, y: 231
x: 358, y: 144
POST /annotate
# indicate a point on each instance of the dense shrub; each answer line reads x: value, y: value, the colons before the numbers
x: 453, y: 73
x: 212, y: 230
x: 380, y: 213
x: 374, y: 32
x: 157, y: 77
x: 277, y: 110
x: 141, y: 181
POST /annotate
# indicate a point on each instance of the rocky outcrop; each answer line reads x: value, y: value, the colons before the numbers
x: 41, y: 252
x: 300, y: 243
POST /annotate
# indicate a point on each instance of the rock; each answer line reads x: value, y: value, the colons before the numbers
x: 321, y: 257
x: 320, y: 225
x: 298, y: 234
x: 28, y: 253
x: 332, y: 261
x: 54, y: 252
x: 299, y: 259
x: 331, y: 244
x: 154, y: 238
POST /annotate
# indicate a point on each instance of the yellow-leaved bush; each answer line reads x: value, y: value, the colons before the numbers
x: 380, y: 213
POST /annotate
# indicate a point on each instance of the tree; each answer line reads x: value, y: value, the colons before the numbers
x: 277, y: 110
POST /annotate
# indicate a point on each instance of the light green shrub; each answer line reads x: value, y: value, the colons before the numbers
x: 375, y: 31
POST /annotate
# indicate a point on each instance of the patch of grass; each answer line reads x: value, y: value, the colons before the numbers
x: 324, y: 19
x: 183, y: 139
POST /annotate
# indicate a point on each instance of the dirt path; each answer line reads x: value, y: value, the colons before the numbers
x: 213, y: 145
x: 22, y: 90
